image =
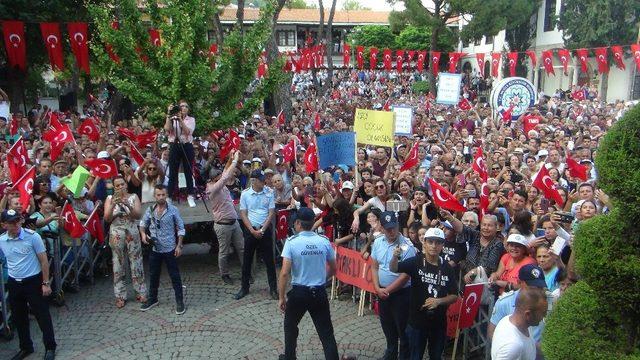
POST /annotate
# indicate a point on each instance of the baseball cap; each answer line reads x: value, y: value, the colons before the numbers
x: 10, y: 216
x: 164, y: 146
x: 518, y: 239
x: 103, y: 155
x: 257, y: 159
x: 446, y: 224
x: 268, y: 172
x: 434, y: 234
x: 247, y: 162
x: 347, y: 185
x: 389, y: 220
x: 257, y: 174
x: 543, y: 152
x: 304, y: 214
x: 532, y: 275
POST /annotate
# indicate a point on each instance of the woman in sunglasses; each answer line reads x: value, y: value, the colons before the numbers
x: 150, y: 174
x: 379, y: 201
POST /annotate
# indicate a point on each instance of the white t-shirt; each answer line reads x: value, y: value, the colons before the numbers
x: 510, y: 344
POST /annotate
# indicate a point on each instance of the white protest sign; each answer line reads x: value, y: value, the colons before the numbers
x: 404, y: 119
x: 448, y: 88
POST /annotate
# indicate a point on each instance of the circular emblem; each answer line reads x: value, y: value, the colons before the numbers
x: 535, y: 273
x: 514, y: 91
x: 387, y: 218
x: 11, y: 212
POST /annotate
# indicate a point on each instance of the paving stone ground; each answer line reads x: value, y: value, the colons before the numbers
x: 215, y: 325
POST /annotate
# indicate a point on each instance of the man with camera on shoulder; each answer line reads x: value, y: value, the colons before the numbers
x: 179, y: 127
x: 163, y: 228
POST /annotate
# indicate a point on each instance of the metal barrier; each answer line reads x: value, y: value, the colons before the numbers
x: 5, y: 328
x: 475, y: 338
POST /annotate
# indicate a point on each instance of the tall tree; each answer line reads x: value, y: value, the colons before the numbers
x: 281, y: 96
x: 180, y: 67
x: 595, y: 23
x: 329, y: 47
x: 352, y: 5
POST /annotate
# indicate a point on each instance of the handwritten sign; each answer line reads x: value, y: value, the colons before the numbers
x: 352, y: 269
x: 403, y: 119
x: 449, y: 88
x: 374, y: 127
x: 337, y: 148
x: 453, y: 314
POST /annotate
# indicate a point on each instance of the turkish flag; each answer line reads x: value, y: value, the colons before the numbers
x: 281, y: 118
x: 14, y: 125
x: 57, y: 138
x: 17, y: 160
x: 484, y: 200
x: 532, y: 56
x: 435, y: 62
x: 495, y: 63
x: 480, y: 60
x: 346, y: 54
x: 583, y: 54
x: 399, y: 60
x: 24, y: 185
x: 94, y: 226
x: 387, y: 105
x: 311, y: 159
x: 601, y: 59
x: 89, y: 128
x: 420, y: 62
x: 102, y: 168
x: 316, y: 121
x: 442, y: 198
x: 470, y: 305
x: 78, y: 37
x: 373, y: 58
x: 577, y: 170
x: 54, y: 122
x: 282, y: 225
x: 72, y: 225
x: 412, y: 159
x: 14, y: 42
x: 454, y: 58
x: 154, y: 37
x: 617, y: 56
x: 136, y: 155
x: 359, y: 56
x: 128, y: 133
x: 635, y: 51
x: 146, y: 138
x: 480, y: 166
x: 513, y: 61
x: 564, y: 56
x: 464, y: 104
x: 410, y: 54
x: 386, y: 59
x: 578, y: 95
x: 289, y: 152
x: 544, y: 183
x: 52, y: 42
x: 547, y: 62
x: 507, y: 114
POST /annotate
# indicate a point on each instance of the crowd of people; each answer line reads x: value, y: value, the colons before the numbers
x: 422, y: 257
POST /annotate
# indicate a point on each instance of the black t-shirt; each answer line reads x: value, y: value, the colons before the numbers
x: 428, y: 280
x: 454, y: 251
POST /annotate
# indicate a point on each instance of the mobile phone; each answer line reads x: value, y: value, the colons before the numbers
x: 471, y: 193
x: 539, y: 232
x: 544, y: 205
x: 462, y: 179
x: 566, y: 217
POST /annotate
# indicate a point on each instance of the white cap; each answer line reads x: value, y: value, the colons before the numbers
x: 246, y: 162
x: 518, y: 239
x: 164, y: 146
x: 434, y: 233
x: 257, y: 159
x: 543, y: 152
x: 103, y: 155
x: 347, y: 185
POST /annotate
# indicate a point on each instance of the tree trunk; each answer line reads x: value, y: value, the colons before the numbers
x: 281, y: 98
x: 604, y: 86
x: 17, y: 95
x: 240, y: 15
x: 217, y: 25
x: 329, y: 46
x: 432, y: 47
x: 314, y: 71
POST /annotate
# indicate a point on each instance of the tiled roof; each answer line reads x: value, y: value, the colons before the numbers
x: 312, y: 16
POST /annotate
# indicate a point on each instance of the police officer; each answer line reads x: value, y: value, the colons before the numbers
x: 305, y: 256
x: 392, y: 288
x: 28, y: 282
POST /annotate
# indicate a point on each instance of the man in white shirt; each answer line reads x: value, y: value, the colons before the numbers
x: 511, y: 339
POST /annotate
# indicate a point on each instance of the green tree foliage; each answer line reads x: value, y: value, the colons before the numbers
x: 379, y: 36
x: 299, y: 4
x: 352, y: 5
x: 180, y: 68
x: 419, y: 38
x: 489, y: 17
x: 601, y: 318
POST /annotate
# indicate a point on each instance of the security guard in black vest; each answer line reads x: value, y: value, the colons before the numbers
x: 304, y: 258
x: 28, y: 282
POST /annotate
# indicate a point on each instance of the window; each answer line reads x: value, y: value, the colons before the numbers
x: 286, y: 38
x: 489, y: 40
x: 549, y: 14
x: 476, y: 42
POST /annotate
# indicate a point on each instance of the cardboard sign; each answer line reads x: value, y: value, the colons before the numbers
x: 403, y: 119
x: 453, y: 313
x: 337, y: 148
x: 374, y: 127
x: 449, y: 88
x: 352, y: 269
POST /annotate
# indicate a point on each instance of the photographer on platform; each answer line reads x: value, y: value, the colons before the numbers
x: 179, y: 127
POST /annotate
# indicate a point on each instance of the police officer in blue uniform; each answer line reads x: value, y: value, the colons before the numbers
x: 304, y: 258
x: 28, y: 282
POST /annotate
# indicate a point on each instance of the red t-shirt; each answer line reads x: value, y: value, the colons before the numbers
x: 511, y: 270
x: 529, y: 122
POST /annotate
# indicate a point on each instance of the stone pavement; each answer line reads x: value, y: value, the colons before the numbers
x: 215, y: 325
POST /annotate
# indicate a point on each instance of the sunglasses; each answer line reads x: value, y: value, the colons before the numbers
x: 151, y: 169
x: 495, y: 168
x: 380, y: 186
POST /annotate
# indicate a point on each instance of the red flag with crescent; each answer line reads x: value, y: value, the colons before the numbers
x: 547, y: 62
x: 24, y: 185
x: 102, y: 168
x: 582, y: 54
x: 412, y: 159
x: 495, y: 63
x: 281, y: 118
x: 479, y: 165
x: 72, y: 225
x: 316, y: 121
x: 386, y: 59
x: 420, y: 62
x: 635, y: 51
x: 544, y: 183
x: 14, y: 42
x: 399, y: 60
x: 464, y: 104
x: 311, y: 159
x: 513, y: 61
x: 435, y: 62
x: 89, y: 128
x: 53, y: 43
x: 373, y: 58
x: 282, y: 225
x: 57, y: 137
x: 128, y: 133
x: 94, y: 226
x: 532, y: 56
x: 470, y: 304
x: 146, y: 138
x: 443, y: 198
x: 14, y: 125
x: 289, y: 152
x: 410, y: 54
x: 617, y: 56
x: 346, y: 54
x: 154, y: 37
x: 359, y: 56
x: 454, y: 58
x: 233, y: 143
x: 79, y: 37
x: 17, y: 160
x: 480, y: 60
x: 577, y: 170
x: 601, y: 59
x: 564, y: 56
x: 136, y: 155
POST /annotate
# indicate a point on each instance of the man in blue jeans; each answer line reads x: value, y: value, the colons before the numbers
x: 166, y: 230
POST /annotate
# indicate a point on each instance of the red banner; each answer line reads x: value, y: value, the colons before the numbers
x: 78, y: 37
x: 51, y: 36
x: 352, y: 269
x: 14, y: 42
x: 453, y: 314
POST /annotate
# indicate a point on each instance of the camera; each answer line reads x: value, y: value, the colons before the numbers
x: 566, y: 217
x: 174, y: 110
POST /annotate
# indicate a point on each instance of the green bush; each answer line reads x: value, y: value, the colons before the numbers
x: 420, y: 87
